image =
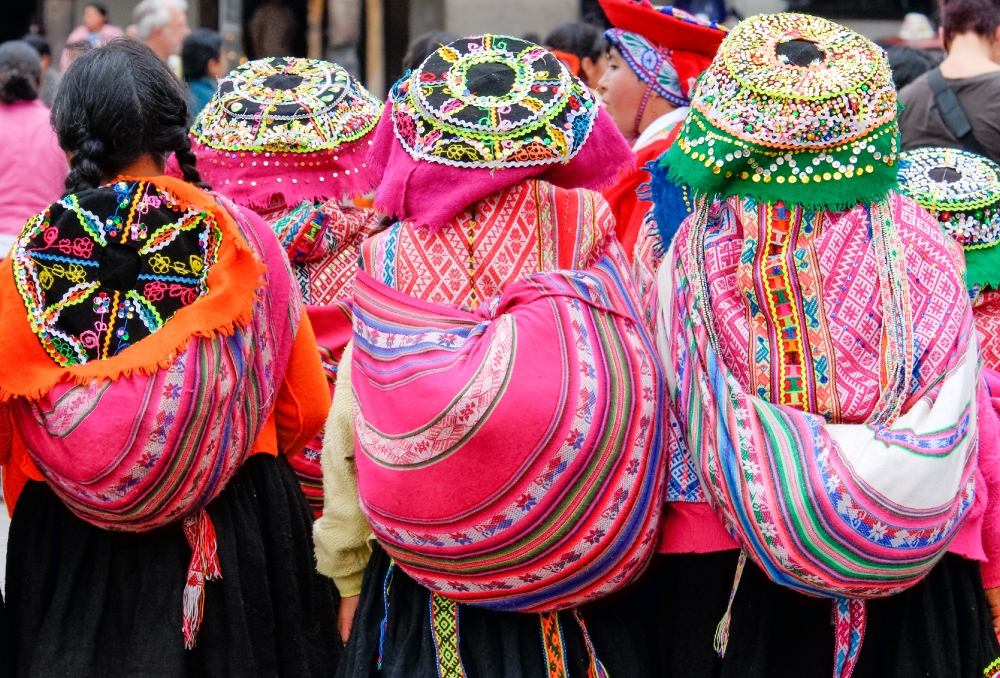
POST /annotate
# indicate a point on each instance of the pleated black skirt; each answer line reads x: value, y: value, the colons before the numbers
x: 665, y: 625
x: 491, y: 644
x: 90, y: 603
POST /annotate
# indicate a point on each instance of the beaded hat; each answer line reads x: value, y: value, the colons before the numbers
x: 793, y: 108
x: 962, y: 191
x: 483, y: 113
x: 281, y: 125
x: 666, y: 47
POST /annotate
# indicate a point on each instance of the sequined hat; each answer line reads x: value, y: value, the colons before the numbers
x: 793, y: 108
x: 483, y: 113
x: 962, y: 191
x: 666, y: 47
x: 295, y: 127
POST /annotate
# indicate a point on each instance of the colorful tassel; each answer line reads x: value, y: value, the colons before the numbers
x: 596, y: 668
x: 722, y: 630
x: 204, y: 567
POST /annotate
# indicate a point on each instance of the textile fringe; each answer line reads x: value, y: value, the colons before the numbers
x: 204, y: 567
x: 444, y: 628
x: 850, y: 615
x: 554, y: 647
x: 722, y: 630
x: 385, y: 618
x: 596, y: 668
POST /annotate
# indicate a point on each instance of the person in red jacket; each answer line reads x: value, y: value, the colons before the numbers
x: 655, y: 55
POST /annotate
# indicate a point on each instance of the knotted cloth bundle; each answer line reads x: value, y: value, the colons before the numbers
x: 530, y: 426
x: 148, y: 359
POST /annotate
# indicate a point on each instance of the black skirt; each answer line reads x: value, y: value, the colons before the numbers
x: 87, y: 602
x: 491, y: 644
x: 940, y: 628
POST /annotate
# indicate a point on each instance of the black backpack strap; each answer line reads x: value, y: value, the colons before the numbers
x: 952, y: 113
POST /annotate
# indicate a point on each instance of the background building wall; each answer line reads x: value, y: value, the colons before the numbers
x: 508, y: 17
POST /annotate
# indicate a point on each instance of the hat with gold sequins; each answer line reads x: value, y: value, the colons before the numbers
x: 282, y: 125
x: 794, y: 108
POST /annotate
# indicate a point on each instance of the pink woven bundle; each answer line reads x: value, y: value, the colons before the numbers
x: 145, y: 450
x: 510, y: 457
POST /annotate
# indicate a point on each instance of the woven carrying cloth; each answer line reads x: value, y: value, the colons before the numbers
x: 825, y: 395
x: 323, y: 243
x: 145, y: 404
x: 484, y: 113
x: 794, y: 108
x: 286, y: 126
x: 508, y: 443
x: 813, y: 476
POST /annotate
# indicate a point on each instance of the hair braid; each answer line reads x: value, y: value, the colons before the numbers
x: 85, y: 166
x: 187, y: 160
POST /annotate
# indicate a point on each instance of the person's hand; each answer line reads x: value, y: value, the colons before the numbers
x: 349, y: 605
x: 993, y: 595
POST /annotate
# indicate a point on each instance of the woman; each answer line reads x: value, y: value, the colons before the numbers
x: 819, y: 350
x: 654, y: 57
x: 32, y: 168
x: 164, y: 368
x: 503, y: 389
x: 297, y: 171
x: 95, y: 31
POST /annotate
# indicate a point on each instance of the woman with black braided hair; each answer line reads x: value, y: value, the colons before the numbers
x: 163, y: 366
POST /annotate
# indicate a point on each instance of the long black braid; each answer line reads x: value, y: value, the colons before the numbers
x: 116, y: 104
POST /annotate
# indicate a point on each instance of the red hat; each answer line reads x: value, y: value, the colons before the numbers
x: 684, y: 41
x: 667, y: 26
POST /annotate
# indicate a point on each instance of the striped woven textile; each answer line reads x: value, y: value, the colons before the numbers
x: 828, y: 505
x: 322, y: 242
x: 145, y: 450
x: 510, y: 456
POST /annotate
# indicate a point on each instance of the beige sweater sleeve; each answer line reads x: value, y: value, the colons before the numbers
x: 342, y: 534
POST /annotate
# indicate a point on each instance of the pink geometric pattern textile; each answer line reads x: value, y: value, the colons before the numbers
x: 763, y: 309
x: 496, y: 410
x: 530, y: 427
x: 526, y: 228
x: 849, y: 297
x: 323, y: 243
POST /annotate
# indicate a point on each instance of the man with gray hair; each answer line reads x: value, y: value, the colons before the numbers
x: 162, y: 25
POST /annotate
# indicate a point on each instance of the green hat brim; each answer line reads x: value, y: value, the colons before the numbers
x: 714, y: 162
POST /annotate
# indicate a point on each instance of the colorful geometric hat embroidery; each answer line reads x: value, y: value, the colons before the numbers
x: 282, y: 125
x: 490, y: 102
x: 794, y: 108
x: 107, y: 267
x: 284, y: 104
x: 962, y: 191
x: 653, y: 64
